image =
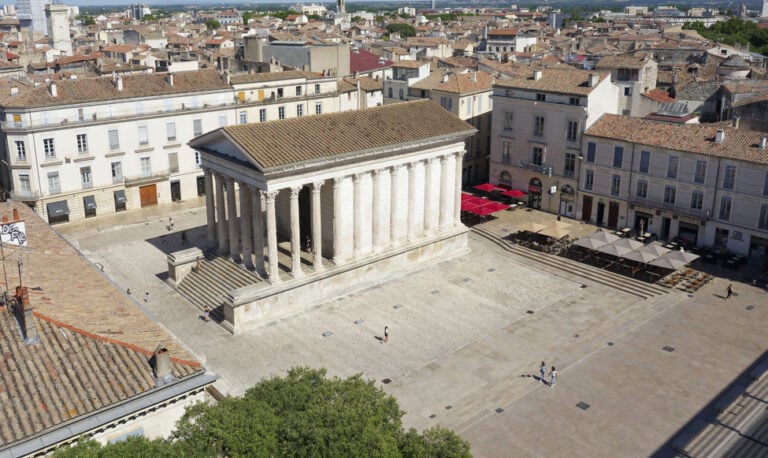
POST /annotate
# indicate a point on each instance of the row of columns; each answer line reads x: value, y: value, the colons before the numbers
x: 378, y: 197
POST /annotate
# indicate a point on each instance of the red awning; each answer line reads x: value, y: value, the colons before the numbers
x: 487, y: 187
x: 513, y: 193
x: 492, y: 207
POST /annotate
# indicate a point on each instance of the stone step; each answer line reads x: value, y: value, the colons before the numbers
x: 610, y: 279
x: 216, y: 276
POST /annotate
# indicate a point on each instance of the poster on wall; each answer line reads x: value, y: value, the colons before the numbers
x: 14, y: 233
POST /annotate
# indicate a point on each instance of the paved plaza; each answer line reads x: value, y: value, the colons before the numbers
x: 467, y: 336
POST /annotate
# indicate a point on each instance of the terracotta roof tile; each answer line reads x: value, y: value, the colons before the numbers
x: 102, y: 89
x: 244, y: 78
x: 310, y: 138
x: 463, y: 83
x: 740, y: 145
x: 560, y: 80
x: 78, y: 366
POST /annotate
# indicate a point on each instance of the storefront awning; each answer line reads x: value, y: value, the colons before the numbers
x: 120, y: 196
x: 59, y: 208
x: 488, y: 187
x: 89, y: 202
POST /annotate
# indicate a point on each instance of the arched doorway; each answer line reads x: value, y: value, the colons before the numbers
x: 534, y: 193
x: 505, y: 178
x: 567, y: 199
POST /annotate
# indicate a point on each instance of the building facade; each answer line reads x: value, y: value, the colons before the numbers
x: 75, y: 149
x: 537, y: 130
x: 705, y: 185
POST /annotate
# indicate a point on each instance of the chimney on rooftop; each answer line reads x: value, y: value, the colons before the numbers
x: 54, y: 91
x: 161, y: 362
x: 594, y: 78
x: 736, y: 122
x: 445, y: 78
x: 16, y: 212
x: 119, y: 83
x: 169, y: 78
x: 719, y: 136
x: 763, y: 142
x: 473, y: 78
x: 537, y: 75
x: 14, y: 91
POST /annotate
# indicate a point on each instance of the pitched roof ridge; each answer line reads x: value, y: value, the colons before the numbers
x: 120, y: 343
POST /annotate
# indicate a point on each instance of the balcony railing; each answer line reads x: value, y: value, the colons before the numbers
x: 543, y: 168
x: 138, y: 179
x: 22, y: 195
x: 679, y: 209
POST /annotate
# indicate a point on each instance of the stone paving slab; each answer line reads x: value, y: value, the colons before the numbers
x: 470, y: 344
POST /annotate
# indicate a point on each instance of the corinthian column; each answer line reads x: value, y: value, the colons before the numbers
x: 234, y: 244
x: 317, y: 230
x: 246, y: 222
x: 456, y: 191
x: 274, y: 269
x: 258, y: 232
x: 210, y: 206
x: 295, y: 233
x: 221, y: 224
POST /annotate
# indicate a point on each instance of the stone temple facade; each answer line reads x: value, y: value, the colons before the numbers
x: 324, y: 205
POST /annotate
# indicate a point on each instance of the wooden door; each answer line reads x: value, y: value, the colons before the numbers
x: 148, y: 195
x: 613, y: 214
x: 586, y: 208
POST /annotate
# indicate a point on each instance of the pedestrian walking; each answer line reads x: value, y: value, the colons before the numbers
x: 386, y: 334
x: 206, y: 314
x: 543, y: 372
x: 170, y: 223
x: 183, y: 238
x: 128, y: 291
x: 729, y: 291
x: 552, y: 377
x: 146, y: 296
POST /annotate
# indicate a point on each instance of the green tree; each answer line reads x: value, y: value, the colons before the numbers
x: 405, y: 30
x: 247, y: 17
x: 86, y: 19
x: 212, y: 24
x: 302, y: 414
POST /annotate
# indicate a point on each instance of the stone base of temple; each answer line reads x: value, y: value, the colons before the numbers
x: 255, y: 305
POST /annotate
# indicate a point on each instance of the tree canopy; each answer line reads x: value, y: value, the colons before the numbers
x: 733, y: 31
x: 212, y: 24
x: 405, y: 30
x: 302, y: 414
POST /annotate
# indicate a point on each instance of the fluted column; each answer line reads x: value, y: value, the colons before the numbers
x: 210, y: 207
x: 317, y: 230
x: 446, y: 197
x: 358, y: 215
x: 412, y: 207
x: 376, y: 217
x: 429, y: 194
x: 295, y: 233
x: 246, y: 221
x: 397, y: 220
x: 258, y: 232
x: 234, y: 244
x: 221, y: 210
x: 274, y: 269
x: 337, y: 219
x: 456, y: 191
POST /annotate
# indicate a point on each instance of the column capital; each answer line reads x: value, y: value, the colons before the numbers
x: 270, y: 196
x: 253, y: 188
x: 460, y: 154
x: 337, y: 181
x: 359, y: 176
x: 316, y: 185
x: 295, y: 190
x: 397, y: 167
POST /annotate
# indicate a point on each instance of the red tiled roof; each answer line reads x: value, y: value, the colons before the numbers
x: 692, y: 138
x: 364, y: 61
x: 659, y: 95
x: 312, y: 138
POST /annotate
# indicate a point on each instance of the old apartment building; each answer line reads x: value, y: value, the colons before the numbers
x: 74, y: 149
x: 703, y: 183
x: 538, y: 122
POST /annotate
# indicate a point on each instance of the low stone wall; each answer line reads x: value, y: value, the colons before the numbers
x: 255, y: 305
x: 180, y: 263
